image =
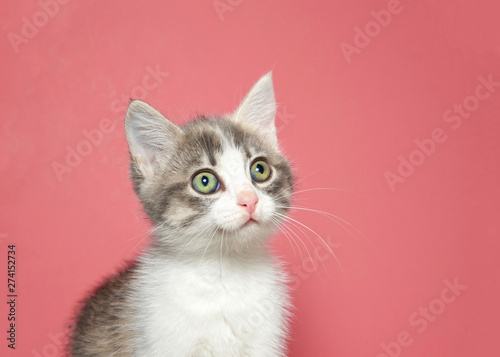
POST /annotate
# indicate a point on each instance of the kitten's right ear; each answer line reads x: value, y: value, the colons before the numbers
x: 259, y: 108
x: 150, y: 137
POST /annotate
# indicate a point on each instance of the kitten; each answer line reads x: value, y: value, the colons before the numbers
x: 215, y: 189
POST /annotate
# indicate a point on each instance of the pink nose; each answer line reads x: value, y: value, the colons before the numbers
x: 248, y: 199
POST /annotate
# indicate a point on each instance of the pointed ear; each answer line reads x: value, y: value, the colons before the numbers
x: 150, y: 137
x: 259, y: 108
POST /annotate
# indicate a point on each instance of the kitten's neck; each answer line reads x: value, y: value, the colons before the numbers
x: 168, y: 243
x: 222, y: 248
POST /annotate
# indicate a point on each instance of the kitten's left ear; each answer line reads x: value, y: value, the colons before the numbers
x: 259, y: 108
x: 151, y: 137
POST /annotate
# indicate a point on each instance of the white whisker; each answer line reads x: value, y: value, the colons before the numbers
x: 332, y: 217
x: 305, y: 234
x: 317, y: 189
x: 190, y: 241
x: 317, y: 235
x: 301, y: 241
x: 280, y: 226
x: 146, y: 235
x: 208, y: 244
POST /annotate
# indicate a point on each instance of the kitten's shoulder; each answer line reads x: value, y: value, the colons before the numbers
x: 116, y: 285
x: 102, y: 325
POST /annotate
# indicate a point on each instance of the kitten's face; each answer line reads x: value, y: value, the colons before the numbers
x: 218, y: 182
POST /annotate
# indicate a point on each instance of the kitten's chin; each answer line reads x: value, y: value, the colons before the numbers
x: 255, y: 230
x: 248, y: 223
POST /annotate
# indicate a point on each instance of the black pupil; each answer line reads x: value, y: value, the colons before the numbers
x: 259, y: 168
x: 205, y: 180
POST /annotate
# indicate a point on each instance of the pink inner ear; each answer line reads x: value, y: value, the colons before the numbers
x: 259, y: 105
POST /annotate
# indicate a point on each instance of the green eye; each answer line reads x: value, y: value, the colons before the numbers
x: 260, y: 171
x: 205, y: 182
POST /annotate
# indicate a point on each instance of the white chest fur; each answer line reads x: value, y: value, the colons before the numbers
x: 217, y: 307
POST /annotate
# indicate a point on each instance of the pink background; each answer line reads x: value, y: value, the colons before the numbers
x: 344, y: 121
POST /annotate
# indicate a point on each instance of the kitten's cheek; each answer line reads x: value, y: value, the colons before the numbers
x: 265, y: 211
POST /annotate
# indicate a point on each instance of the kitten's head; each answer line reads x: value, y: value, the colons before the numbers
x: 217, y: 182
